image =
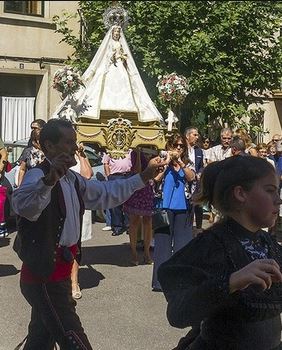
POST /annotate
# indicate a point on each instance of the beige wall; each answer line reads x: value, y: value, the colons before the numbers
x: 271, y: 120
x: 19, y: 38
x: 272, y: 117
x: 24, y: 40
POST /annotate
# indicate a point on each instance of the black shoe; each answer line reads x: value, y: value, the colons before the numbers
x: 117, y: 233
x: 3, y: 230
x: 156, y: 289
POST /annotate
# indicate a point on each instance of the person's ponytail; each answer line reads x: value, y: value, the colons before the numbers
x: 207, y: 183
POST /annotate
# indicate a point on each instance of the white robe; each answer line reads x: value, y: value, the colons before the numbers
x: 114, y: 87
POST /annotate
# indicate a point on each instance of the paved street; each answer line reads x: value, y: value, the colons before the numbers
x: 118, y: 309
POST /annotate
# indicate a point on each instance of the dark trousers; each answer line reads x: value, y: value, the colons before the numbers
x: 198, y: 210
x: 119, y: 218
x: 53, y: 317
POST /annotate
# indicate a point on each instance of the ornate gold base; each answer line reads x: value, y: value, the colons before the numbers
x: 118, y: 135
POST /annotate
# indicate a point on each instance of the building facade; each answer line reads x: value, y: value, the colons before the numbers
x: 30, y: 53
x: 273, y: 115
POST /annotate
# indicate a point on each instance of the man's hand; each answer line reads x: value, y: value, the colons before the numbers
x: 2, y: 168
x: 58, y: 168
x: 174, y: 155
x: 80, y: 151
x: 154, y: 167
x: 3, y: 160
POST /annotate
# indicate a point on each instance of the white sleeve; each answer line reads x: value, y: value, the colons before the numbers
x: 108, y: 194
x: 207, y: 154
x: 33, y: 196
x: 212, y: 154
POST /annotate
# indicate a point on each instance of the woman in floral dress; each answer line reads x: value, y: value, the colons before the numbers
x: 140, y: 207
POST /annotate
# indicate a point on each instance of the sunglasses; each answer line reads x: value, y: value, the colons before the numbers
x: 275, y: 140
x: 226, y: 138
x: 178, y: 144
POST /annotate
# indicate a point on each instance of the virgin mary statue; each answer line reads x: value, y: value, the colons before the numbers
x: 116, y: 92
x: 113, y: 83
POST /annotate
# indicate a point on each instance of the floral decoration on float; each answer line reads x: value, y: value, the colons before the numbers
x: 173, y: 89
x: 67, y: 80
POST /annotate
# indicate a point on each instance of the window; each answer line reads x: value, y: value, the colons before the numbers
x: 32, y: 8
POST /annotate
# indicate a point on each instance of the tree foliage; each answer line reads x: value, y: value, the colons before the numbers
x: 230, y: 51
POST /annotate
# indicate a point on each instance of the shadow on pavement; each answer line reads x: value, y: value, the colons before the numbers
x: 89, y: 277
x: 8, y: 270
x: 4, y: 242
x: 118, y: 255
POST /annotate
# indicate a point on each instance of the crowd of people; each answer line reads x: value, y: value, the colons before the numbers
x: 224, y: 282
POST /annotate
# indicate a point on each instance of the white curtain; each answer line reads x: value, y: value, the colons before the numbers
x: 17, y: 113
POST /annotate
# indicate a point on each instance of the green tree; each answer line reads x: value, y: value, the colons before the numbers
x: 230, y: 51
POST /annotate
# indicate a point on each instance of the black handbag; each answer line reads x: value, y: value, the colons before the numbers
x: 160, y: 219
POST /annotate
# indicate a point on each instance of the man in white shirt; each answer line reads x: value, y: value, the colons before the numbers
x: 223, y: 150
x: 50, y: 203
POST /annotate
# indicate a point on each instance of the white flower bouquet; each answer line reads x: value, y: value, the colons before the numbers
x: 67, y: 80
x: 172, y: 88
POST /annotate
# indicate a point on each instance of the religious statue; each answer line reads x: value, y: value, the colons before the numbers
x: 117, y: 91
x: 112, y: 82
x: 171, y: 120
x: 118, y: 52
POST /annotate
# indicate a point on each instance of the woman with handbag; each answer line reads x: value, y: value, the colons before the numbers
x: 174, y: 197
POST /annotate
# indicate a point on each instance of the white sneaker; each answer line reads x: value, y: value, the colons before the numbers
x: 106, y: 228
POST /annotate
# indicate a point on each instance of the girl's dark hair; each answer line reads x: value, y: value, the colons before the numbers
x: 40, y: 122
x: 34, y: 137
x: 219, y: 179
x: 202, y: 139
x: 51, y: 131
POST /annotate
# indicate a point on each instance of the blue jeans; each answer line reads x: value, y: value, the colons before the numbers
x: 119, y: 219
x: 107, y: 216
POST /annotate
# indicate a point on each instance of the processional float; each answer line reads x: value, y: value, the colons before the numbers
x: 111, y: 106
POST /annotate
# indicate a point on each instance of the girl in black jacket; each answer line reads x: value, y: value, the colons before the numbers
x: 226, y: 283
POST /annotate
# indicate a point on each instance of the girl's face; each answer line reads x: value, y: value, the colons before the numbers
x: 261, y: 204
x: 206, y: 144
x: 272, y: 150
x: 179, y: 147
x: 262, y: 152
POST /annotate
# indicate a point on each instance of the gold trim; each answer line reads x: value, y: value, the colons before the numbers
x: 89, y: 135
x: 150, y: 138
